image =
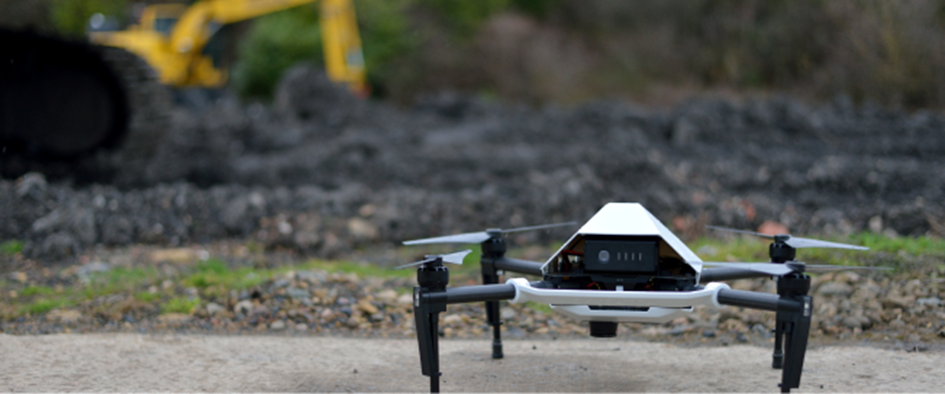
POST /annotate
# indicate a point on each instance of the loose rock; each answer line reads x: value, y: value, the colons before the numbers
x: 213, y: 308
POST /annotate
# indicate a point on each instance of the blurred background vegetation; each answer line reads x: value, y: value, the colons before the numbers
x: 567, y: 51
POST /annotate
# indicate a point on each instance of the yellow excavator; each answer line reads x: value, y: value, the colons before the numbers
x: 104, y: 103
x: 172, y: 38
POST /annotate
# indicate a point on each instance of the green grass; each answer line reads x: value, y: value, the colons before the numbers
x: 239, y: 279
x: 213, y: 265
x: 44, y: 305
x: 918, y: 246
x: 535, y: 306
x: 11, y: 247
x: 180, y: 305
x: 147, y: 296
x: 216, y: 273
x: 349, y: 267
x: 30, y: 291
x: 119, y: 280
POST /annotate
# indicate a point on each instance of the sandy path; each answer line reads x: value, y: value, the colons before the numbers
x: 128, y: 362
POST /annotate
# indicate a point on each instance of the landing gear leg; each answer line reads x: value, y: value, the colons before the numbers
x: 426, y: 312
x: 795, y: 326
x: 778, y: 358
x: 492, y: 250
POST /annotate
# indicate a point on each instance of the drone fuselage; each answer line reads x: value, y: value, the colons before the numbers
x: 623, y: 265
x: 626, y: 267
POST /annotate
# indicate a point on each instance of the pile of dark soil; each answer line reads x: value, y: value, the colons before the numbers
x: 322, y: 172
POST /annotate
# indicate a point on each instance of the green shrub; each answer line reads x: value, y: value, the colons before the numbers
x: 465, y: 16
x: 274, y: 43
x: 277, y: 41
x: 72, y: 16
x: 386, y: 36
x: 537, y: 8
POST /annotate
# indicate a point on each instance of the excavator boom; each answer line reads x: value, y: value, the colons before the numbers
x: 178, y: 55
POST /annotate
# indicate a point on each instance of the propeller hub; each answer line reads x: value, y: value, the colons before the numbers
x: 780, y: 252
x: 793, y: 285
x: 494, y: 247
x: 434, y: 277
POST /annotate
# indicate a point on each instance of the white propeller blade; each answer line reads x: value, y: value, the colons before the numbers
x: 467, y: 238
x: 452, y: 258
x: 796, y: 242
x: 764, y: 268
x: 539, y: 227
x: 776, y: 269
x: 480, y: 236
x: 456, y: 257
x: 832, y: 268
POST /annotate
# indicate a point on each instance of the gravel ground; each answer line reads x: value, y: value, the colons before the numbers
x: 128, y: 362
x: 896, y: 310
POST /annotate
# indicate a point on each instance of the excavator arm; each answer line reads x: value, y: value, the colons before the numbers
x: 178, y: 56
x: 231, y: 11
x: 344, y: 61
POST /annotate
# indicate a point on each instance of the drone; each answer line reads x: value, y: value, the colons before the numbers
x: 622, y: 265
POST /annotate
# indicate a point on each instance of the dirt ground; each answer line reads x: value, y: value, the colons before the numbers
x: 128, y: 362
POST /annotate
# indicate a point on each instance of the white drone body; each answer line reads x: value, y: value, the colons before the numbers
x: 622, y: 222
x: 623, y: 265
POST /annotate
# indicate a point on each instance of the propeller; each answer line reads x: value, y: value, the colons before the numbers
x: 482, y: 236
x: 778, y: 269
x: 764, y: 268
x: 452, y: 258
x: 831, y: 268
x: 794, y: 242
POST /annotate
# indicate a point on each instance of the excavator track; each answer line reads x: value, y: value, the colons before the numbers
x: 150, y: 106
x: 74, y: 110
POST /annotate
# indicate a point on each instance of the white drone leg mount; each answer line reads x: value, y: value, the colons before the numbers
x: 660, y: 306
